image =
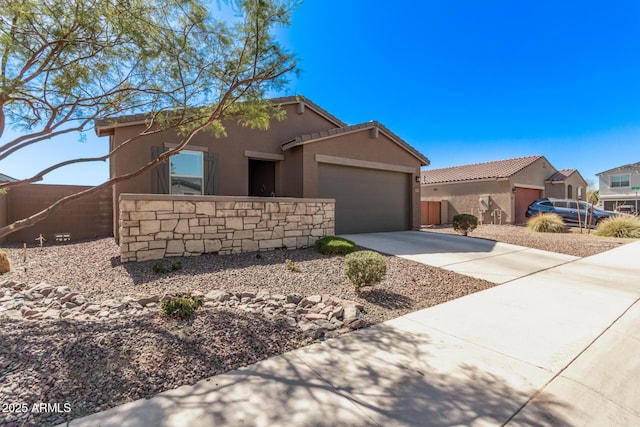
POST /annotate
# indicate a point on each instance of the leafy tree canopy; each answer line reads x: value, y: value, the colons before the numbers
x: 66, y: 63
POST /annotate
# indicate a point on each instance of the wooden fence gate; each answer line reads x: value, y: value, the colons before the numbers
x: 430, y: 213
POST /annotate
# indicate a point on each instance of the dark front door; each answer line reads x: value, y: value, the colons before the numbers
x: 262, y: 178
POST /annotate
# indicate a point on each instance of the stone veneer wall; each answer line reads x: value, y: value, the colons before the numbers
x: 155, y: 226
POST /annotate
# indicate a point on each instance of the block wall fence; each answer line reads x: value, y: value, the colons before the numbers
x: 155, y: 226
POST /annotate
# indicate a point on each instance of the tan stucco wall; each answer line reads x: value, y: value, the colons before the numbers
x: 90, y: 216
x: 3, y: 212
x: 460, y: 198
x: 362, y: 146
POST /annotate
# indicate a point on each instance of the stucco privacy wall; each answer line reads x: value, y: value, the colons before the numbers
x: 88, y: 217
x: 155, y: 226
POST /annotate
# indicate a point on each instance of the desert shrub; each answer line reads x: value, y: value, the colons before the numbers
x: 5, y: 266
x: 181, y: 306
x: 291, y: 266
x: 619, y: 226
x: 546, y: 222
x: 159, y: 268
x: 364, y: 268
x: 465, y: 223
x: 335, y: 245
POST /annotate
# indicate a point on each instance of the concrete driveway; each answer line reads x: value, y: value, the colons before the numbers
x: 484, y: 259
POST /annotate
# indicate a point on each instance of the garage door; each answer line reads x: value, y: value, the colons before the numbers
x: 524, y: 197
x: 367, y: 200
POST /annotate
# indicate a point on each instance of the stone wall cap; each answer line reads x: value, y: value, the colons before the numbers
x: 190, y: 198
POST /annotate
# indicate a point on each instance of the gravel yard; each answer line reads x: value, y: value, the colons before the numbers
x: 94, y: 365
x: 570, y: 243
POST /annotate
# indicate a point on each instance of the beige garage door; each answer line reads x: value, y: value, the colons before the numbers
x: 367, y: 200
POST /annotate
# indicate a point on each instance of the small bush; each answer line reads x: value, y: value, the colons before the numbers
x: 5, y: 265
x: 619, y: 226
x: 364, y: 268
x: 158, y: 268
x: 181, y: 306
x: 335, y: 245
x: 465, y: 223
x: 291, y: 266
x: 177, y: 265
x: 546, y: 222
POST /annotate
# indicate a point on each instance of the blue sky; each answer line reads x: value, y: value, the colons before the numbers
x: 461, y: 81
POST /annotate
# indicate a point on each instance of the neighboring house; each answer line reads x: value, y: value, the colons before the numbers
x: 566, y: 184
x: 498, y: 192
x: 620, y: 186
x: 373, y: 174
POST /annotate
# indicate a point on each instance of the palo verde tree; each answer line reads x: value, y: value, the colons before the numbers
x: 66, y: 63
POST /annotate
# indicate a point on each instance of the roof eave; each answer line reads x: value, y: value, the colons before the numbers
x: 424, y: 161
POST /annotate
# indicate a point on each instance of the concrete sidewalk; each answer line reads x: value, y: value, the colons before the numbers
x: 556, y: 348
x: 495, y: 262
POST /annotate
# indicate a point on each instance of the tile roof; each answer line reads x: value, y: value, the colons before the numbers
x: 476, y: 171
x: 633, y: 166
x: 561, y: 175
x: 326, y: 134
x: 102, y: 125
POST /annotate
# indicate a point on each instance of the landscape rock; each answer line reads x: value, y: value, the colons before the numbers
x: 294, y: 298
x: 351, y: 313
x: 217, y: 296
x: 146, y: 301
x: 314, y: 315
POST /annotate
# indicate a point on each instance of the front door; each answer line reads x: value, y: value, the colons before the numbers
x: 262, y: 178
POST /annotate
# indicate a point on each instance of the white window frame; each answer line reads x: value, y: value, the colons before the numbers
x: 620, y: 176
x: 201, y: 176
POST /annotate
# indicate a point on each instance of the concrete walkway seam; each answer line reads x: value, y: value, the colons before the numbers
x: 561, y: 371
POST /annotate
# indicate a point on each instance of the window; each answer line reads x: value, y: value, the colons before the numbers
x: 185, y: 173
x: 620, y: 181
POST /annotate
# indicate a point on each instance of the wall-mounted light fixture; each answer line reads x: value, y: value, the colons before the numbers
x: 418, y: 178
x: 513, y: 190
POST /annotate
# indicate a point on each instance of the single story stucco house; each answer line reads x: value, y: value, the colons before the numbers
x: 500, y: 191
x: 373, y: 175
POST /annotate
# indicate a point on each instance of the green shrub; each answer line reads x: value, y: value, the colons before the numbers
x: 546, y: 222
x: 181, y: 306
x: 619, y: 226
x: 5, y: 265
x: 291, y: 266
x: 364, y: 268
x: 159, y: 268
x: 335, y: 245
x: 465, y: 223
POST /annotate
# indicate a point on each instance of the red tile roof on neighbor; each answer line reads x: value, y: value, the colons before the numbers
x: 476, y: 171
x: 561, y: 175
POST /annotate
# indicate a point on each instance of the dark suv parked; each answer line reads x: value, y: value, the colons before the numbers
x: 568, y: 210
